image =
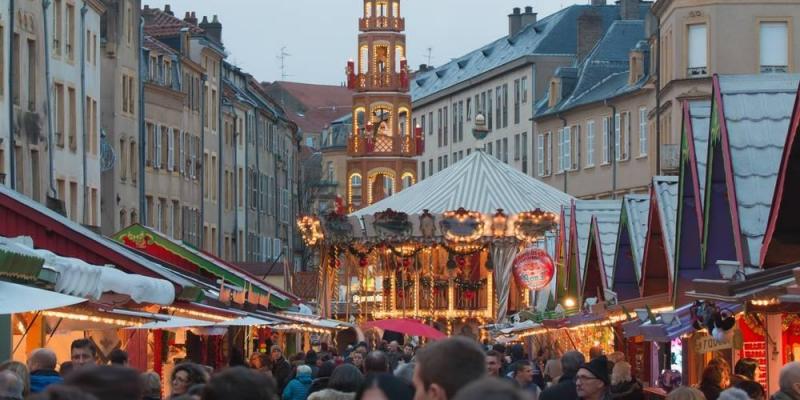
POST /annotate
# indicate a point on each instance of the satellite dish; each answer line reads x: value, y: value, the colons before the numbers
x: 107, y: 156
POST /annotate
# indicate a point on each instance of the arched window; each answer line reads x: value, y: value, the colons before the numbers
x: 408, y: 180
x: 355, y: 190
x: 382, y: 8
x: 396, y: 9
x: 134, y: 217
x: 330, y: 171
x: 363, y: 59
x: 368, y: 9
x: 123, y: 219
x: 388, y: 186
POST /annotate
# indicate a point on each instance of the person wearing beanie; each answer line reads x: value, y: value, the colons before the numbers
x: 281, y: 369
x: 593, y: 381
x: 297, y: 389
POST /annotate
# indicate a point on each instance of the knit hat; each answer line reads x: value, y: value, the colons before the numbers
x: 599, y: 368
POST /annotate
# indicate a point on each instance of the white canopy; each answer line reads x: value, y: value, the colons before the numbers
x: 174, y: 322
x: 479, y: 182
x: 16, y: 298
x: 246, y: 321
x: 79, y: 278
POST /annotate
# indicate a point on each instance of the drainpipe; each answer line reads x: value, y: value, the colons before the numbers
x: 658, y: 99
x: 246, y: 196
x: 12, y: 169
x: 235, y: 186
x: 612, y: 148
x: 566, y: 171
x: 221, y: 160
x: 142, y: 133
x: 258, y: 181
x: 50, y: 149
x: 86, y: 197
x: 202, y: 155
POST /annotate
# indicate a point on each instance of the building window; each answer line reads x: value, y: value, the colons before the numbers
x: 460, y: 121
x: 606, y: 134
x: 430, y: 123
x: 2, y: 60
x: 58, y: 27
x: 439, y: 127
x: 422, y: 171
x: 355, y: 190
x: 444, y: 123
x: 133, y: 158
x: 430, y: 167
x: 70, y: 42
x: 541, y: 156
x: 489, y: 148
x: 524, y: 147
x: 774, y: 47
x: 622, y: 130
x: 697, y: 50
x: 488, y: 109
x: 590, y: 144
x: 32, y: 74
x: 455, y: 122
x: 516, y: 147
x: 444, y: 161
x: 15, y: 68
x: 524, y: 84
x: 643, y: 132
x: 499, y: 106
x: 72, y: 133
x: 422, y: 125
x: 505, y: 150
x: 469, y: 103
x: 516, y: 100
x: 59, y: 105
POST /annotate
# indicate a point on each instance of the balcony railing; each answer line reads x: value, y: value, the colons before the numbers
x: 382, y: 24
x: 670, y: 158
x: 774, y: 69
x: 697, y: 72
x: 387, y: 81
x: 396, y: 145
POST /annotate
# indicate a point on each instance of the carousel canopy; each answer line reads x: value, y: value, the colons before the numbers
x: 479, y: 182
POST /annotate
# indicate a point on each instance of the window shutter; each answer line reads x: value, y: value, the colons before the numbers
x: 170, y: 149
x: 774, y: 44
x: 157, y: 138
x: 617, y: 136
x: 540, y: 154
x: 182, y: 150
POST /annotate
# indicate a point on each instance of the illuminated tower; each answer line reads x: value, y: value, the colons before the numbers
x: 383, y: 142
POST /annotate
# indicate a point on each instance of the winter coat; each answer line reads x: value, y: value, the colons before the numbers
x: 710, y: 390
x: 281, y: 371
x: 43, y: 378
x: 297, y: 389
x: 784, y: 396
x: 319, y: 384
x: 330, y: 394
x: 563, y: 390
x: 631, y: 390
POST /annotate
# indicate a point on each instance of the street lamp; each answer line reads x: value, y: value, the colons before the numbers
x: 480, y: 130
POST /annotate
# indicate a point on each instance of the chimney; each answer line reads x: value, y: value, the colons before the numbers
x: 514, y: 22
x: 598, y: 3
x: 213, y: 29
x: 191, y: 18
x: 528, y: 17
x: 590, y: 30
x: 629, y: 9
x: 168, y: 10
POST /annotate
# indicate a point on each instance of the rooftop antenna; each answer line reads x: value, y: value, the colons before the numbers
x: 430, y: 53
x: 282, y: 57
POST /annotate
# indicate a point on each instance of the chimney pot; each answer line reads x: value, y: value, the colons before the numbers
x: 517, y: 10
x: 528, y: 9
x: 514, y: 22
x: 598, y: 2
x: 629, y: 9
x: 528, y: 18
x: 590, y: 30
x: 205, y: 20
x: 168, y: 10
x: 215, y: 20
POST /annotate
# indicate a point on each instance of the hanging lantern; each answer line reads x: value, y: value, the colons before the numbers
x: 499, y: 221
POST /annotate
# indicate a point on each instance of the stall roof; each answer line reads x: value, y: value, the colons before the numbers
x: 700, y: 113
x: 134, y: 236
x: 479, y: 182
x: 630, y: 246
x: 22, y: 216
x: 754, y: 112
x: 607, y: 212
x: 665, y: 191
x: 79, y: 278
x: 35, y: 299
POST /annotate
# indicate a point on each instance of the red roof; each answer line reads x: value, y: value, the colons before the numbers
x: 159, y: 24
x: 154, y: 44
x: 312, y: 107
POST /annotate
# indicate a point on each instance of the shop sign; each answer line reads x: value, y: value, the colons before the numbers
x: 533, y: 268
x: 708, y: 344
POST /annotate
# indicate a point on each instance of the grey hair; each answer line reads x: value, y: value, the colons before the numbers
x: 571, y: 361
x: 733, y: 394
x: 621, y: 373
x: 405, y: 371
x: 790, y: 374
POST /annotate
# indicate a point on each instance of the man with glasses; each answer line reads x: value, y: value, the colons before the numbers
x: 593, y: 380
x: 571, y: 361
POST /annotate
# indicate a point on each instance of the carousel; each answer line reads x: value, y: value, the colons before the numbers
x: 441, y: 252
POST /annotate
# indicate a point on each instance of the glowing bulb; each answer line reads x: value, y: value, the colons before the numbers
x: 569, y: 302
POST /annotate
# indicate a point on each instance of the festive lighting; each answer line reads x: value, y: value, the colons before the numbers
x: 302, y: 328
x: 89, y: 318
x: 530, y: 226
x: 765, y: 302
x: 569, y: 302
x: 499, y: 223
x: 310, y: 229
x: 462, y: 217
x: 198, y: 314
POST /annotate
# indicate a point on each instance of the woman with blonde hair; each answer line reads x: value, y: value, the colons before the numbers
x: 623, y: 385
x: 20, y: 370
x: 686, y: 393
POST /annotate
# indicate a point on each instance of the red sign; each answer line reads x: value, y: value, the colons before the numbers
x: 533, y: 268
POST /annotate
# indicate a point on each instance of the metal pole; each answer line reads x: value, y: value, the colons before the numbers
x: 12, y: 169
x: 142, y: 133
x: 48, y: 89
x: 86, y: 197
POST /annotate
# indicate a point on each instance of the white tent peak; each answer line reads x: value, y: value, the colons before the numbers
x: 479, y: 182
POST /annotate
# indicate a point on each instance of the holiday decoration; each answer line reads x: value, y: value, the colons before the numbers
x: 533, y: 268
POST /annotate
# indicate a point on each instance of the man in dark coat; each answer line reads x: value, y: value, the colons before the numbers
x: 571, y: 361
x: 42, y: 365
x: 281, y: 370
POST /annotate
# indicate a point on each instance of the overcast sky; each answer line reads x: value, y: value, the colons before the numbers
x: 321, y: 35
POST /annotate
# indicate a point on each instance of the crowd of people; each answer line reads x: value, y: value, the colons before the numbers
x: 455, y: 368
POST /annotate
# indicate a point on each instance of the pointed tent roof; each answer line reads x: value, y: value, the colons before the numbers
x: 782, y: 243
x: 479, y: 183
x: 630, y: 246
x: 583, y: 211
x: 601, y: 247
x: 753, y: 115
x: 658, y: 263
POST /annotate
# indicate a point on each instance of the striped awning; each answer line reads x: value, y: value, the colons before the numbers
x: 479, y: 182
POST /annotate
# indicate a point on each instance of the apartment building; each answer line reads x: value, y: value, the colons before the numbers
x: 56, y: 135
x: 593, y: 132
x: 119, y: 114
x: 501, y: 81
x: 699, y: 38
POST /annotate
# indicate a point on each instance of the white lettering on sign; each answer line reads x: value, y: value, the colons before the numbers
x: 708, y: 344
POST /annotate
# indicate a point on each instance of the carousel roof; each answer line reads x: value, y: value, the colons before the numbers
x: 479, y: 182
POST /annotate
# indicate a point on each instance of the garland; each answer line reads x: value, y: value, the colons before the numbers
x: 464, y: 284
x: 452, y: 252
x: 437, y: 284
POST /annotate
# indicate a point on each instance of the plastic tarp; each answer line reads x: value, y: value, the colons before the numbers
x: 16, y: 298
x: 246, y: 321
x: 174, y: 323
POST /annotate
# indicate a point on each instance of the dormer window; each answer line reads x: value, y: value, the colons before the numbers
x: 635, y: 67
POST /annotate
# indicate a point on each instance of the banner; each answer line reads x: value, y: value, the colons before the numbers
x: 533, y: 268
